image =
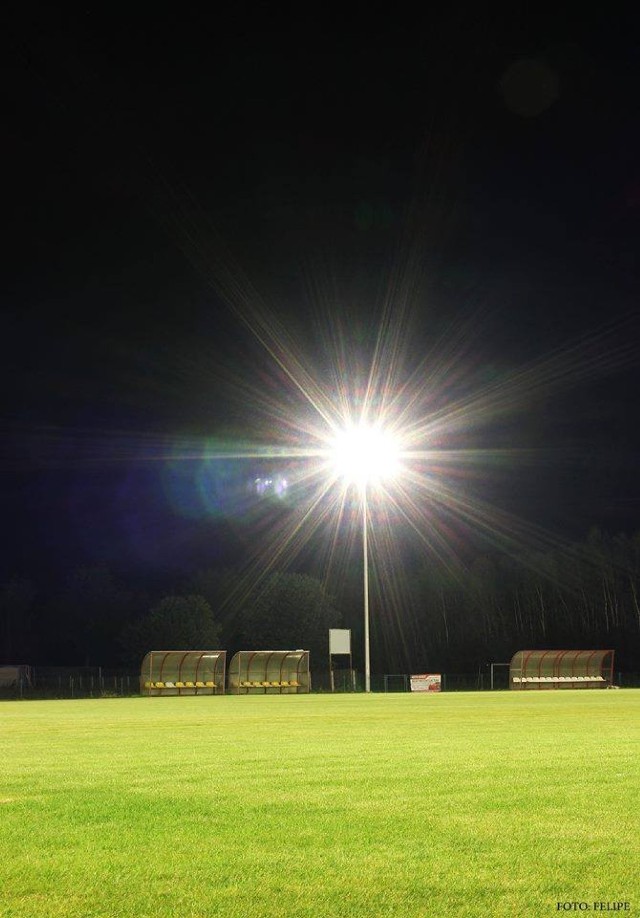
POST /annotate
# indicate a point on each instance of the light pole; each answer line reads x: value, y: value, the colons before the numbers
x: 363, y: 456
x: 365, y: 557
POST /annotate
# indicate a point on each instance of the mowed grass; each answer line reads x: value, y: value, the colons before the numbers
x: 461, y: 804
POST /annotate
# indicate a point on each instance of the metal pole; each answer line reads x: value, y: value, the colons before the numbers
x: 365, y: 554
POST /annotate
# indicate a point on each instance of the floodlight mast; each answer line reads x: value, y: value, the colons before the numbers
x: 362, y: 455
x: 365, y: 554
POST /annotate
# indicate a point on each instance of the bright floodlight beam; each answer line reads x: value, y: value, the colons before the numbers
x: 364, y: 456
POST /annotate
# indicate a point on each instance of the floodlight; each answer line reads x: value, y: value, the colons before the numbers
x: 364, y: 455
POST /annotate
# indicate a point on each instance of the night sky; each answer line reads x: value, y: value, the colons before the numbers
x: 168, y: 177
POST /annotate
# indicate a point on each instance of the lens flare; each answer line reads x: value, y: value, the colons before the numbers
x: 338, y: 403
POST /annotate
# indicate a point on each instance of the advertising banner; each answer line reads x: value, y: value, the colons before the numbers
x: 426, y: 682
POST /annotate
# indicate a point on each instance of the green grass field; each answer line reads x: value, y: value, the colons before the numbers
x: 252, y: 807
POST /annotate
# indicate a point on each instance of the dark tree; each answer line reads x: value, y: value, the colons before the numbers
x: 176, y: 623
x: 289, y: 611
x: 17, y: 620
x: 90, y: 615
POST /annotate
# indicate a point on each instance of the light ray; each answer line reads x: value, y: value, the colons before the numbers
x: 431, y: 405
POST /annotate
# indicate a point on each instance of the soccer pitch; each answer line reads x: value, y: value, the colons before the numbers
x: 349, y: 805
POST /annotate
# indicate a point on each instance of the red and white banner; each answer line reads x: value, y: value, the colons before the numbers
x: 426, y: 682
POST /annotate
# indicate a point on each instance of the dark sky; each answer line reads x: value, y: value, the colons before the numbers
x: 154, y: 163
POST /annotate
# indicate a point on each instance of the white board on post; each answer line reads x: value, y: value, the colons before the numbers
x: 339, y: 640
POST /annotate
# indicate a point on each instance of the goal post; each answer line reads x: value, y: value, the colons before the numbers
x: 492, y: 678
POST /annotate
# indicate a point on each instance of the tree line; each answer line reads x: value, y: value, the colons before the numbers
x: 452, y: 617
x: 584, y: 595
x: 97, y: 619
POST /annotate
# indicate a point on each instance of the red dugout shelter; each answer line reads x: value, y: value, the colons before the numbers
x: 561, y: 669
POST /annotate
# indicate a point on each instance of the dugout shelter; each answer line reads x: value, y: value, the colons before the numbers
x: 270, y: 672
x: 561, y: 669
x: 183, y: 672
x: 17, y: 675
